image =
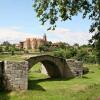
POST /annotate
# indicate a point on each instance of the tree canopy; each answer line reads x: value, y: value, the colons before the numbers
x: 52, y: 10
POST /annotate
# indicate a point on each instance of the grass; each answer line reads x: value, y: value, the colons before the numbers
x: 43, y: 88
x: 35, y: 68
x: 10, y: 57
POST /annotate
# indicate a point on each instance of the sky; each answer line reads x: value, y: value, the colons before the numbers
x: 18, y: 21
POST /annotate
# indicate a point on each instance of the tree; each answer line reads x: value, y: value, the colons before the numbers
x: 82, y: 55
x: 62, y: 45
x: 12, y: 49
x: 1, y: 49
x: 98, y: 50
x: 44, y: 48
x: 61, y: 53
x: 5, y: 43
x: 53, y: 10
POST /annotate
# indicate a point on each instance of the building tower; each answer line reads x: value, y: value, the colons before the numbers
x: 45, y: 37
x: 27, y: 44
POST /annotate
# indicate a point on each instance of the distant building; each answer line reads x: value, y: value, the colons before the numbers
x: 33, y: 43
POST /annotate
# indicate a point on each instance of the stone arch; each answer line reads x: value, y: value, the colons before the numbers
x: 54, y: 65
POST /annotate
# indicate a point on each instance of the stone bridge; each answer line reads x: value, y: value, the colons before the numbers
x: 14, y: 74
x: 55, y: 66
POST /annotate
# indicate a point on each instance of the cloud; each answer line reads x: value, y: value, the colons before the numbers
x: 15, y: 28
x: 13, y: 35
x: 59, y: 31
x: 65, y: 35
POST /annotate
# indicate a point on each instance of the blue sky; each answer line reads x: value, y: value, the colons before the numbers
x: 18, y: 18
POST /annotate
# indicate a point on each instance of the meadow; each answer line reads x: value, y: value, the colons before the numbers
x: 41, y: 87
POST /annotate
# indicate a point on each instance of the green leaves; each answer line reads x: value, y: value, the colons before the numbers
x: 52, y: 10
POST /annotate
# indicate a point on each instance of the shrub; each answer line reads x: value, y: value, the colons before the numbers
x: 85, y: 70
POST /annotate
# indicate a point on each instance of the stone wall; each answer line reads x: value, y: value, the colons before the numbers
x: 75, y: 66
x: 68, y: 68
x: 16, y: 75
x: 1, y: 75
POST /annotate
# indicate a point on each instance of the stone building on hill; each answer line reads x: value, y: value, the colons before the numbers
x: 33, y: 43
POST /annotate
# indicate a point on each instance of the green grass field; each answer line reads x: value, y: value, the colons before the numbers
x: 14, y: 57
x: 9, y: 57
x: 43, y: 88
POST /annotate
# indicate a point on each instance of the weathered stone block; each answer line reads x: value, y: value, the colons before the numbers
x: 75, y: 66
x: 15, y: 77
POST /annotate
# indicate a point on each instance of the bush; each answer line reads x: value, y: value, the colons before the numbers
x: 85, y: 70
x: 91, y: 59
x: 60, y: 53
x: 66, y: 53
x: 1, y: 49
x: 81, y: 55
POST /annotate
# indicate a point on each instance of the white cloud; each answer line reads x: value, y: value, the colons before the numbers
x: 59, y: 31
x: 15, y: 28
x: 65, y: 35
x: 13, y: 35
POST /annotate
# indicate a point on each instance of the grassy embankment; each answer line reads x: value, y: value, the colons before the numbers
x: 41, y: 88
